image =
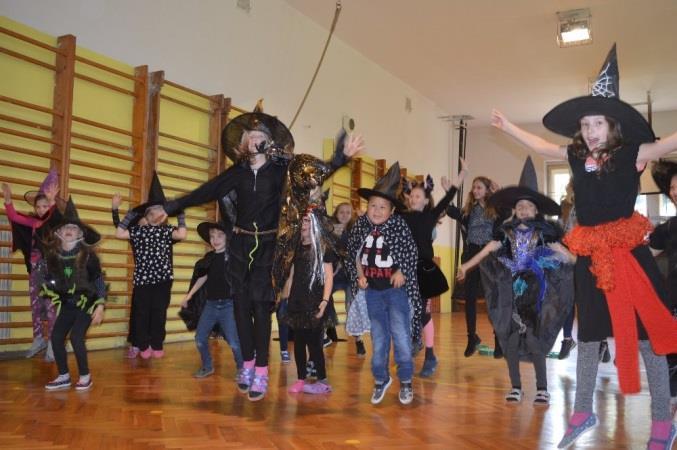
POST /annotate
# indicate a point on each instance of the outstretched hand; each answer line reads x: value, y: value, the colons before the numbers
x: 7, y: 192
x: 446, y: 183
x: 354, y: 145
x: 499, y: 120
x: 116, y: 201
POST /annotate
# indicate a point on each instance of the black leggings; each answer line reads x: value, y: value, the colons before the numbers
x: 312, y: 339
x: 74, y: 320
x: 472, y: 288
x: 254, y: 322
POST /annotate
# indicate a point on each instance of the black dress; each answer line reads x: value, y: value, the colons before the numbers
x: 304, y: 297
x: 601, y: 198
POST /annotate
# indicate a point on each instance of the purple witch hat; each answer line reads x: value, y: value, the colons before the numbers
x: 50, y: 183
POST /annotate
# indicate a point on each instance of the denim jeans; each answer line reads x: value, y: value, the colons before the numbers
x: 390, y: 318
x: 221, y: 312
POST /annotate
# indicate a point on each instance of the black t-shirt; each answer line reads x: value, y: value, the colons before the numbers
x: 377, y: 263
x: 216, y: 287
x: 608, y: 195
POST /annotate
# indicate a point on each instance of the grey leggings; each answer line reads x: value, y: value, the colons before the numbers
x: 656, y: 373
x: 512, y: 356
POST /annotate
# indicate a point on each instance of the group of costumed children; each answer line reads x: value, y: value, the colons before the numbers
x: 275, y: 240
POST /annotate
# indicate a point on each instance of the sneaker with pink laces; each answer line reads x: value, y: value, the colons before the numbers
x: 157, y: 354
x: 319, y: 387
x: 297, y: 387
x: 132, y: 352
x: 147, y: 353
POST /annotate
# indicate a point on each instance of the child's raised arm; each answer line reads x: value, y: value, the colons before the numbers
x: 491, y: 246
x: 182, y: 232
x: 650, y: 151
x: 535, y: 143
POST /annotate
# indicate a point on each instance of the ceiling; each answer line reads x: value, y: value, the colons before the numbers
x: 471, y: 56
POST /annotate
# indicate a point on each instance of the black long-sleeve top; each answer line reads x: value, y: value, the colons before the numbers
x: 422, y: 224
x: 258, y: 192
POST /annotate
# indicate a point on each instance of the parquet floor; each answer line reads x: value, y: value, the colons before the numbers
x: 158, y: 405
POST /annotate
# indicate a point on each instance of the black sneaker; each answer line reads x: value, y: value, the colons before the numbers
x: 498, y: 351
x: 473, y: 342
x: 604, y: 354
x: 568, y: 344
x: 311, y: 371
x: 361, y: 351
x: 326, y: 342
x: 379, y: 391
x: 406, y: 393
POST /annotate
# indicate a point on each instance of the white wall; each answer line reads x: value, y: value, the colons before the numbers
x: 214, y: 47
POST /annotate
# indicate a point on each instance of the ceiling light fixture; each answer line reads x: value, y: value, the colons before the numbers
x: 574, y: 27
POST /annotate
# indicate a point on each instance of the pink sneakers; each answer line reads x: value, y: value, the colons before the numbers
x: 297, y: 387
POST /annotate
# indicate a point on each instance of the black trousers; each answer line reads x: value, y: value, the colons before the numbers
x: 150, y: 309
x: 251, y: 284
x: 76, y: 321
x: 312, y: 340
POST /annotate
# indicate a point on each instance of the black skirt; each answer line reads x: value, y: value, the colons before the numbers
x: 594, y: 320
x: 431, y: 280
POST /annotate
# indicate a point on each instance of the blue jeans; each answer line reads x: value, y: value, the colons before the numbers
x: 389, y: 314
x: 221, y: 312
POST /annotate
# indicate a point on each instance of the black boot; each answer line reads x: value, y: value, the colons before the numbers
x: 498, y: 351
x: 473, y: 341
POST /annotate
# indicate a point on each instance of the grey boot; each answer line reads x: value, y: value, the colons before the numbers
x: 49, y: 354
x: 39, y: 344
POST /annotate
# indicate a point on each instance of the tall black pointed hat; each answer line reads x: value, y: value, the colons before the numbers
x: 231, y: 136
x: 71, y: 216
x: 603, y: 101
x: 386, y: 187
x: 662, y: 173
x: 527, y: 189
x: 156, y: 196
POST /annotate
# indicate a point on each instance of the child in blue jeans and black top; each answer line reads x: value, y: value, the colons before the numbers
x: 382, y: 260
x: 213, y: 289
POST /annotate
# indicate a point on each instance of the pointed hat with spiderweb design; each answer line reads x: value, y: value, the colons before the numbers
x: 603, y: 101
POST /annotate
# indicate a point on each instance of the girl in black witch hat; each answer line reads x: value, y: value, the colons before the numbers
x: 70, y: 275
x: 153, y: 269
x: 664, y: 239
x: 616, y: 277
x: 261, y: 147
x: 422, y: 217
x: 527, y: 285
x: 27, y: 234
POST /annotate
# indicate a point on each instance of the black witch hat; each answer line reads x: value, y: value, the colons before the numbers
x: 156, y: 196
x: 282, y: 142
x: 527, y: 189
x: 386, y: 187
x: 604, y: 101
x: 204, y: 227
x: 662, y: 173
x: 70, y: 216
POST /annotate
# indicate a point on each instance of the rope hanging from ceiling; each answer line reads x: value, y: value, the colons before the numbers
x: 337, y: 13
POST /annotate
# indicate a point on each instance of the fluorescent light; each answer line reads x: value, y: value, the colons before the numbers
x: 573, y: 28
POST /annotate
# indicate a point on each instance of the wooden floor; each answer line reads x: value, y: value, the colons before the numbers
x: 158, y: 405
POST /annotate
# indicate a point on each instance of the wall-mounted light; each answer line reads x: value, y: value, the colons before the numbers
x: 574, y: 27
